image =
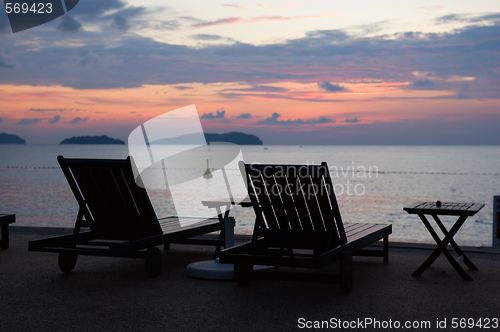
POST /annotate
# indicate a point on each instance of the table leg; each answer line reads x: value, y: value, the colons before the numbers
x: 213, y: 269
x: 386, y: 249
x: 4, y: 241
x: 441, y: 248
x: 455, y: 246
x: 226, y: 236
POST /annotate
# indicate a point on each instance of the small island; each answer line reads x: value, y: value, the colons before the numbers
x: 11, y: 139
x: 92, y: 140
x: 232, y: 137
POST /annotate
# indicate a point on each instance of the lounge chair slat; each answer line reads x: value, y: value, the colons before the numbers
x: 92, y: 196
x: 288, y: 203
x: 300, y: 203
x: 265, y: 204
x: 335, y: 207
x: 312, y: 201
x: 275, y: 193
x: 106, y: 181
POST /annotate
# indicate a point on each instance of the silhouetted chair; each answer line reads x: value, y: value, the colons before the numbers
x: 298, y: 225
x: 118, y: 218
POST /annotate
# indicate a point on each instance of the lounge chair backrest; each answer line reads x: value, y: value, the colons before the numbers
x: 295, y: 205
x: 110, y: 202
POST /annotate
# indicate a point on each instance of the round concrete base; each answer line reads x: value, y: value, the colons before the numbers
x: 212, y: 270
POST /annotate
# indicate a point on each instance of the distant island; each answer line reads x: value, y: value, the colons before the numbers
x: 92, y: 140
x: 232, y: 137
x: 11, y: 139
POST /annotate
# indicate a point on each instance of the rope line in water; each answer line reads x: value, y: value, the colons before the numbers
x: 349, y: 172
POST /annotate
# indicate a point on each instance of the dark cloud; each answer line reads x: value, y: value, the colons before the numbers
x: 271, y: 120
x: 181, y: 87
x: 462, y: 93
x: 28, y: 121
x: 69, y: 25
x: 331, y: 35
x: 6, y: 61
x: 321, y: 120
x: 93, y: 8
x: 274, y: 120
x: 120, y: 22
x: 222, y: 21
x: 114, y: 13
x: 409, y: 35
x: 1, y: 120
x: 207, y: 37
x: 260, y: 88
x: 88, y: 61
x: 219, y: 114
x: 423, y: 84
x: 4, y: 23
x: 78, y: 120
x: 353, y: 120
x: 327, y: 86
x: 450, y: 18
x: 489, y: 17
x: 55, y: 119
x: 166, y: 25
x: 436, y: 131
x: 244, y: 116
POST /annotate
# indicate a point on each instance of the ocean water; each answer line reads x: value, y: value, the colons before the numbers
x: 372, y: 183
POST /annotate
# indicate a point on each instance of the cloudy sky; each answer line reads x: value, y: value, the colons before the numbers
x: 295, y: 72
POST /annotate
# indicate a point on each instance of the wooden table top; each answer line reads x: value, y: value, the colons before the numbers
x: 445, y: 208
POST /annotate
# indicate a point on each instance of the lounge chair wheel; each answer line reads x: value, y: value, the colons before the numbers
x: 243, y: 273
x: 346, y: 272
x: 154, y: 262
x: 67, y: 261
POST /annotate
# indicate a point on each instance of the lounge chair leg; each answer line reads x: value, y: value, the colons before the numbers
x: 386, y: 249
x: 154, y: 261
x: 346, y: 272
x: 243, y: 273
x: 67, y: 261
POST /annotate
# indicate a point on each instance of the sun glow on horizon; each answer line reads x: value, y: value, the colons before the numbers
x: 284, y: 106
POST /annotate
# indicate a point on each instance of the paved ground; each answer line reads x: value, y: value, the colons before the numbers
x: 110, y: 294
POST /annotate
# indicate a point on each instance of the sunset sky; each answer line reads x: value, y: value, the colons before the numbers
x: 294, y: 72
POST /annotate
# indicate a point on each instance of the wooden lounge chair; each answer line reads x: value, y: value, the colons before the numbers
x: 298, y: 225
x: 116, y: 218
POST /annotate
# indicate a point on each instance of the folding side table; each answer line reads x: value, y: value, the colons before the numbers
x: 436, y: 209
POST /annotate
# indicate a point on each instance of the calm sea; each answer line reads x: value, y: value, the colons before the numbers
x: 373, y: 183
